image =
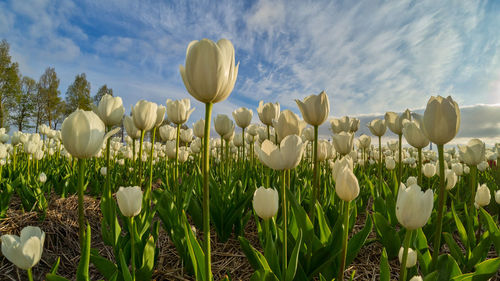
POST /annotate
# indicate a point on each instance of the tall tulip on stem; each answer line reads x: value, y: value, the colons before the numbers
x: 440, y: 123
x: 205, y: 81
x: 378, y: 128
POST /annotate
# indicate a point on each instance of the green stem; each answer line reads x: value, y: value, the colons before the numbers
x: 400, y: 164
x: 441, y: 206
x: 419, y: 166
x: 140, y: 157
x: 206, y: 192
x: 81, y: 211
x: 380, y: 163
x: 315, y: 174
x: 147, y: 194
x: 30, y: 275
x: 345, y: 235
x: 285, y: 221
x: 243, y: 136
x: 473, y: 186
x: 406, y: 245
x: 176, y: 172
x: 132, y: 246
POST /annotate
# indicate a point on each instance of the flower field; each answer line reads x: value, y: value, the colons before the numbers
x: 228, y: 199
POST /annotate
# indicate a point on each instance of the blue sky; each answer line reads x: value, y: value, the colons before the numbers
x: 369, y: 56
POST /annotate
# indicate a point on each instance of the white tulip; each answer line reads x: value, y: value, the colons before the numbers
x: 413, y: 207
x: 411, y: 259
x: 265, y: 202
x: 24, y: 251
x: 129, y: 200
x: 483, y: 195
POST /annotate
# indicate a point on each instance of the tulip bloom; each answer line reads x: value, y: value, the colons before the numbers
x: 450, y: 179
x: 441, y: 119
x: 395, y: 121
x: 130, y: 127
x: 26, y: 250
x: 243, y: 116
x: 473, y: 153
x: 377, y: 127
x: 315, y: 108
x: 265, y: 202
x: 129, y: 200
x: 178, y: 111
x: 286, y: 157
x: 413, y: 207
x: 288, y: 123
x: 339, y: 165
x: 346, y: 185
x: 198, y: 128
x: 429, y: 170
x: 110, y: 110
x: 167, y: 133
x: 223, y: 125
x: 483, y: 196
x: 497, y: 196
x: 144, y: 115
x: 343, y: 142
x: 268, y: 112
x: 411, y: 260
x: 414, y: 134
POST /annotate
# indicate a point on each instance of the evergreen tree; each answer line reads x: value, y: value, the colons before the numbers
x: 48, y: 100
x: 9, y: 82
x: 78, y: 94
x: 24, y: 103
x: 101, y: 92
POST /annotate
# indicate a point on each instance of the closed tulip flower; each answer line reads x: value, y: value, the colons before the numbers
x: 187, y: 135
x: 346, y: 185
x: 199, y: 128
x: 26, y: 250
x: 265, y: 202
x: 167, y: 133
x: 308, y: 133
x: 268, y: 112
x: 42, y: 177
x: 223, y: 125
x: 364, y: 141
x: 343, y: 142
x: 483, y: 166
x: 178, y: 111
x: 450, y: 179
x: 110, y: 110
x: 339, y: 165
x: 441, y: 120
x: 472, y: 153
x: 390, y: 164
x: 497, y: 196
x: 411, y: 260
x: 144, y: 115
x: 340, y: 125
x: 414, y: 134
x: 288, y: 123
x: 483, y: 196
x: 315, y: 108
x: 322, y: 150
x: 429, y: 170
x: 413, y: 207
x: 457, y: 168
x: 377, y: 127
x: 229, y: 136
x: 395, y: 121
x: 416, y: 278
x: 130, y: 127
x: 354, y: 125
x: 129, y: 200
x: 83, y: 134
x: 252, y: 130
x: 238, y: 140
x: 243, y: 116
x: 411, y: 181
x: 285, y: 157
x: 209, y: 73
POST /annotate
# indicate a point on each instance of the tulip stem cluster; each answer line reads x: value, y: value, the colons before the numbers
x: 206, y: 191
x: 406, y: 245
x: 441, y: 205
x: 344, y: 239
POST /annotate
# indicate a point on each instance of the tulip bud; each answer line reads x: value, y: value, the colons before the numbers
x: 346, y: 186
x: 466, y: 170
x: 223, y: 125
x: 411, y: 259
x: 83, y: 134
x: 209, y: 73
x: 472, y: 153
x: 390, y: 164
x: 457, y: 168
x: 339, y: 165
x: 286, y: 157
x: 429, y: 170
x: 129, y: 200
x: 42, y: 177
x: 178, y: 111
x: 411, y: 181
x: 322, y: 150
x: 199, y: 128
x: 186, y: 135
x: 416, y: 278
x: 441, y: 119
x: 364, y: 141
x: 144, y: 115
x: 377, y: 127
x: 308, y: 133
x: 132, y: 131
x: 25, y: 250
x: 343, y: 142
x: 288, y: 123
x: 167, y: 133
x: 450, y: 179
x: 413, y: 207
x: 315, y: 108
x: 110, y: 110
x: 341, y: 125
x: 414, y: 134
x: 482, y: 166
x: 395, y: 121
x: 160, y: 115
x: 265, y: 202
x: 268, y: 112
x: 483, y: 196
x: 497, y: 196
x: 243, y: 116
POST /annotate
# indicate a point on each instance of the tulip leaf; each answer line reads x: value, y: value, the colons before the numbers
x: 105, y: 267
x: 270, y: 254
x: 123, y: 264
x: 303, y: 221
x: 454, y: 248
x: 492, y: 228
x: 255, y: 258
x: 357, y: 241
x: 324, y: 230
x: 55, y: 277
x: 447, y: 268
x: 460, y: 227
x: 388, y: 235
x: 423, y: 254
x: 385, y: 270
x: 82, y: 273
x: 486, y: 269
x: 148, y: 260
x: 480, y: 251
x: 263, y: 275
x: 194, y: 249
x: 55, y: 267
x: 294, y: 258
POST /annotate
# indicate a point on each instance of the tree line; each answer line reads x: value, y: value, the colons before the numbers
x: 26, y: 103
